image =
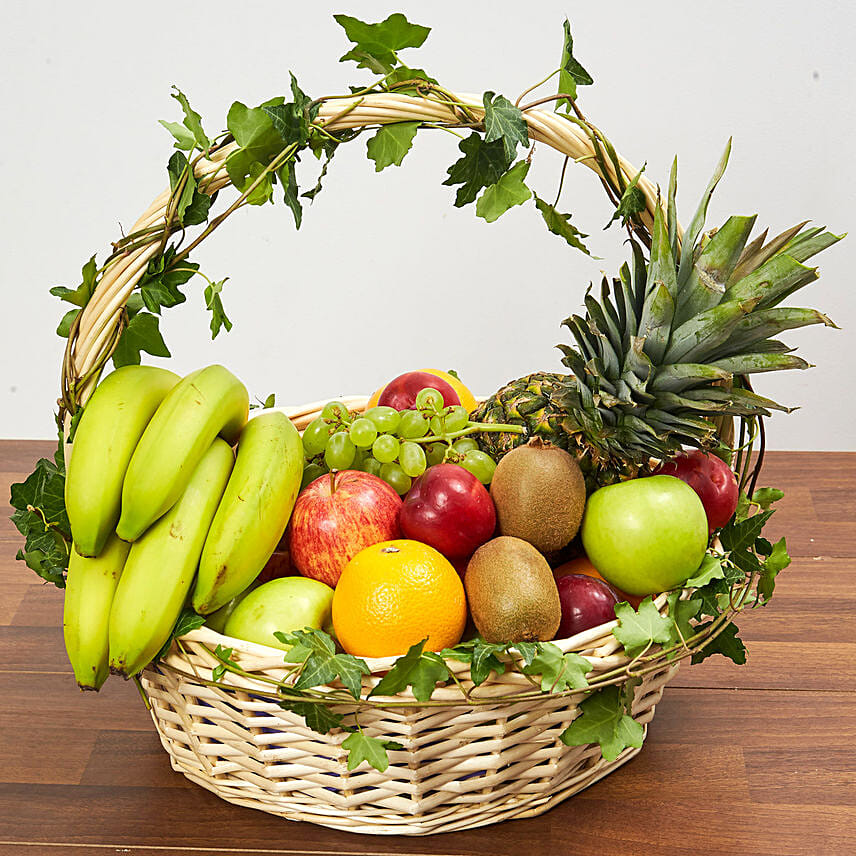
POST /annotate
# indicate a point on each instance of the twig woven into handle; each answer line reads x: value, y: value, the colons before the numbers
x: 98, y: 326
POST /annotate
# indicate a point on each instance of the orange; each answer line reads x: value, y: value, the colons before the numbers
x: 583, y: 565
x: 394, y: 594
x: 468, y: 400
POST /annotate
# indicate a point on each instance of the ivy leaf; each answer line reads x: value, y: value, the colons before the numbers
x: 404, y: 74
x: 637, y: 631
x: 560, y: 224
x: 178, y: 167
x: 503, y: 121
x: 559, y: 671
x: 481, y: 166
x: 328, y: 149
x: 293, y: 120
x: 506, y: 193
x: 324, y: 665
x: 422, y: 670
x: 141, y: 334
x: 159, y: 287
x: 270, y: 401
x: 361, y: 748
x: 192, y: 122
x: 527, y: 650
x: 571, y: 73
x: 188, y: 620
x: 682, y: 612
x: 713, y: 596
x: 375, y: 45
x: 743, y: 508
x: 80, y: 295
x: 737, y: 537
x: 709, y: 569
x: 632, y: 201
x: 391, y: 143
x: 184, y: 139
x: 259, y: 143
x: 318, y: 717
x: 777, y: 560
x: 290, y: 190
x: 766, y: 496
x: 482, y: 656
x: 64, y: 327
x: 603, y: 719
x: 215, y: 305
x: 727, y: 643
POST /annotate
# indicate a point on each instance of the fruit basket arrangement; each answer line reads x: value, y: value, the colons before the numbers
x: 418, y: 611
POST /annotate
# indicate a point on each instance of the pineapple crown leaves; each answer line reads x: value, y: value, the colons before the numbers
x: 670, y: 341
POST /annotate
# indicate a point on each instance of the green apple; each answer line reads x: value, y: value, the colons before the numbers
x: 645, y: 535
x: 285, y: 604
x: 217, y: 620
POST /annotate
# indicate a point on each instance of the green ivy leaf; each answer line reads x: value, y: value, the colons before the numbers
x: 159, y: 286
x: 682, y: 612
x: 558, y: 671
x: 290, y: 190
x: 714, y: 597
x: 404, y: 73
x: 293, y: 120
x: 184, y: 139
x: 375, y: 45
x: 64, y: 327
x: 422, y: 670
x: 192, y: 122
x: 638, y: 630
x: 571, y: 73
x: 141, y: 334
x: 361, y: 748
x: 188, y: 620
x: 259, y: 143
x: 506, y: 193
x: 481, y: 166
x: 632, y: 201
x: 603, y: 719
x: 327, y: 148
x: 177, y: 167
x: 80, y: 295
x: 560, y: 224
x: 318, y: 717
x: 323, y: 665
x: 503, y: 121
x: 527, y: 650
x: 214, y: 304
x: 743, y: 508
x: 709, y: 569
x: 391, y: 143
x: 766, y: 496
x: 738, y: 537
x: 727, y: 643
x: 776, y: 561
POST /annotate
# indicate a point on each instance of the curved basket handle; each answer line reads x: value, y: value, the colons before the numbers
x: 99, y: 325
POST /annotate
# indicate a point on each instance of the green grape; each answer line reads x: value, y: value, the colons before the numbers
x: 413, y: 425
x: 371, y: 465
x: 310, y: 473
x: 456, y: 419
x: 429, y: 399
x: 412, y: 459
x: 465, y: 444
x: 359, y: 458
x: 480, y: 464
x: 363, y: 433
x: 396, y: 478
x: 437, y: 426
x: 340, y: 451
x: 435, y: 453
x: 315, y: 437
x: 335, y: 410
x: 385, y: 419
x: 385, y: 448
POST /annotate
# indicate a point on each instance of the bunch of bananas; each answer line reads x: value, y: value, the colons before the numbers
x: 157, y: 498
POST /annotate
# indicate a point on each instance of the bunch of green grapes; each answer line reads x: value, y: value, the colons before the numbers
x: 395, y: 445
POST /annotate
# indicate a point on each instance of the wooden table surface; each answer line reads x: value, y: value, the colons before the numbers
x: 759, y: 759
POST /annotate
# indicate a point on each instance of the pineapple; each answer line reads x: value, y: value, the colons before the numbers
x: 664, y: 354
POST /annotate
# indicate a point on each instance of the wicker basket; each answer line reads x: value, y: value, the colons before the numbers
x: 463, y: 764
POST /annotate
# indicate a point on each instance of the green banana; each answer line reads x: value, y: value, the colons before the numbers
x: 161, y: 566
x: 89, y: 590
x: 254, y: 510
x: 206, y: 403
x: 108, y: 432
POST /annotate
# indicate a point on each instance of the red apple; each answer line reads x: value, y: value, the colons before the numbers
x: 335, y: 517
x: 401, y: 392
x: 711, y: 478
x: 449, y: 509
x: 586, y: 603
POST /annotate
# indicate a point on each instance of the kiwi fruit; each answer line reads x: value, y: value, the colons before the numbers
x: 540, y: 493
x: 511, y: 592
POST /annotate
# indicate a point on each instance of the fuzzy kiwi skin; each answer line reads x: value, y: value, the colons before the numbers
x: 511, y: 592
x: 540, y: 494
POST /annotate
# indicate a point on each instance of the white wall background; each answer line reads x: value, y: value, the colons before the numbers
x: 385, y: 275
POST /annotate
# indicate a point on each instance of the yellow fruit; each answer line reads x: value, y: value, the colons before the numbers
x: 467, y: 398
x: 394, y: 594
